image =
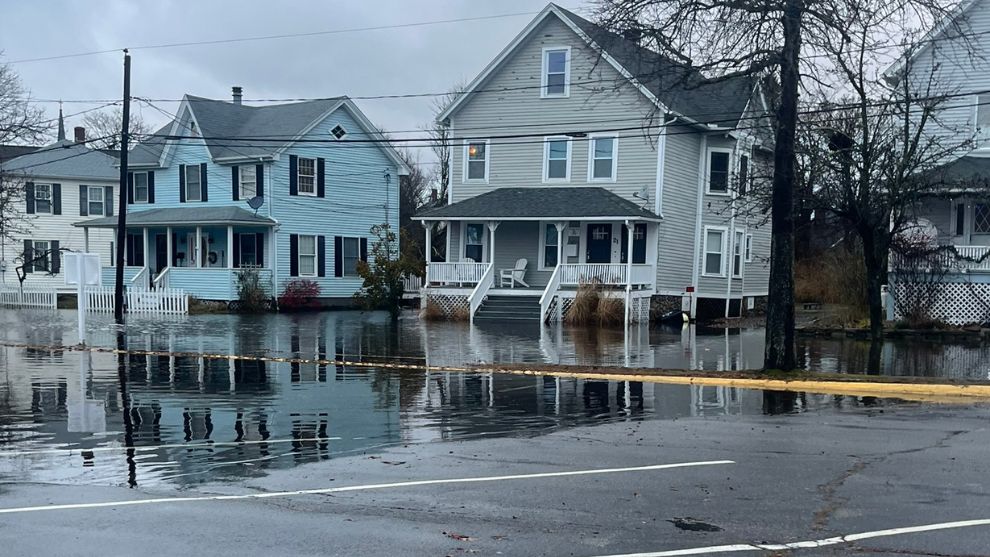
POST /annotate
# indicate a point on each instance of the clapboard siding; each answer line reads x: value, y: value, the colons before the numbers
x: 680, y: 203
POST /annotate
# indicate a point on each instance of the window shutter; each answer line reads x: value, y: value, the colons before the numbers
x: 151, y: 186
x: 28, y: 256
x: 130, y: 188
x: 321, y: 180
x: 202, y: 181
x: 29, y: 197
x: 293, y: 255
x: 56, y: 265
x: 182, y: 183
x: 259, y: 248
x: 293, y: 175
x: 108, y: 201
x: 364, y: 250
x: 83, y: 201
x: 236, y: 250
x: 338, y: 256
x: 259, y: 174
x: 56, y: 199
x: 321, y: 256
x: 235, y: 185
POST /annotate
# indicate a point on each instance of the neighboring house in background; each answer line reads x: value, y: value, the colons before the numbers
x: 61, y: 181
x: 623, y: 145
x: 281, y: 188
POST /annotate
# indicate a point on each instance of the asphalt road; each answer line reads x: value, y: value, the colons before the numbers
x: 794, y: 478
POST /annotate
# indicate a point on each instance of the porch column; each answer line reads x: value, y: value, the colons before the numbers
x: 492, y: 226
x: 199, y: 244
x: 230, y: 247
x: 144, y: 238
x: 86, y: 239
x: 560, y: 241
x: 428, y: 248
x: 168, y: 247
x: 630, y: 228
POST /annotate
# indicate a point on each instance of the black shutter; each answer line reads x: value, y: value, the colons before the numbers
x: 130, y: 188
x: 56, y: 199
x: 293, y: 175
x: 321, y: 256
x: 259, y: 174
x: 338, y: 256
x: 960, y: 219
x: 83, y: 201
x: 108, y: 201
x: 235, y: 185
x: 259, y: 248
x: 182, y: 183
x: 202, y: 182
x: 236, y: 250
x: 56, y: 266
x: 321, y: 181
x: 151, y: 186
x: 29, y: 197
x: 293, y: 255
x: 364, y: 249
x: 28, y: 256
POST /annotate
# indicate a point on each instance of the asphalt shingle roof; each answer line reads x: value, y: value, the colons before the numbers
x: 183, y: 215
x: 541, y: 202
x: 965, y: 172
x: 8, y: 152
x: 65, y: 159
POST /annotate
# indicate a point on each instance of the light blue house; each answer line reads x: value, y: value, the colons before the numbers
x: 290, y: 189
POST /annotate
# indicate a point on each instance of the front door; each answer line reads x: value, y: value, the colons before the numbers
x: 599, y: 243
x: 161, y: 253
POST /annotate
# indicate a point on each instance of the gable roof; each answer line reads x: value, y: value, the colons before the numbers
x: 894, y: 72
x: 65, y: 159
x: 680, y: 90
x: 278, y: 126
x: 8, y: 152
x: 535, y: 203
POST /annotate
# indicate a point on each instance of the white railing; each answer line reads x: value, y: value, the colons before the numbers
x: 161, y: 279
x: 481, y: 290
x: 458, y: 273
x: 412, y: 284
x: 609, y: 274
x: 140, y: 280
x: 12, y: 296
x: 977, y: 253
x: 162, y: 301
x: 549, y: 293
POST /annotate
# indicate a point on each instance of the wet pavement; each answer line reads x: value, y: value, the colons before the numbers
x: 80, y: 427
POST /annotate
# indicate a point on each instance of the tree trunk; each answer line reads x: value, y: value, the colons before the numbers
x: 874, y: 261
x: 779, y: 352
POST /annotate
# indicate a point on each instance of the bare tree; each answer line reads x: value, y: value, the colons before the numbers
x: 412, y: 195
x: 104, y: 127
x: 440, y: 141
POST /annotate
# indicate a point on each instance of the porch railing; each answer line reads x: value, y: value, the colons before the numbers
x: 965, y: 259
x: 608, y: 274
x: 455, y: 273
x: 161, y: 279
x: 480, y: 291
x: 140, y: 280
x: 549, y: 293
x: 977, y: 253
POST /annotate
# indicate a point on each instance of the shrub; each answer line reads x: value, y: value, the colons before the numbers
x: 611, y: 311
x: 383, y: 274
x: 250, y: 294
x: 300, y: 294
x: 460, y: 313
x: 833, y: 277
x: 432, y: 312
x: 585, y: 306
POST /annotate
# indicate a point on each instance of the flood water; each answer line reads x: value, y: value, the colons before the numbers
x: 175, y: 420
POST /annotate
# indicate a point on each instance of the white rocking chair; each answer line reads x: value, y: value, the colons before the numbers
x: 511, y: 276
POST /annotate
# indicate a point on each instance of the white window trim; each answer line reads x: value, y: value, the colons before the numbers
x: 542, y: 264
x: 545, y: 67
x: 708, y: 172
x: 341, y: 126
x: 299, y: 176
x: 484, y: 241
x: 35, y: 251
x: 147, y: 192
x: 546, y: 159
x: 591, y: 156
x: 748, y: 249
x: 199, y: 183
x: 315, y: 255
x: 488, y: 162
x: 737, y: 272
x: 343, y: 256
x: 240, y: 181
x: 704, y: 252
x: 737, y: 181
x: 90, y: 201
x: 51, y: 202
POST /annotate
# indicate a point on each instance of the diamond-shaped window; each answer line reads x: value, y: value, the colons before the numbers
x: 981, y: 219
x: 338, y: 132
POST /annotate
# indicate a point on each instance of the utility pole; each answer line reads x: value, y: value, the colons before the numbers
x: 118, y: 292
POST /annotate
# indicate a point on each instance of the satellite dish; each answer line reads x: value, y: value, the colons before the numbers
x: 256, y: 202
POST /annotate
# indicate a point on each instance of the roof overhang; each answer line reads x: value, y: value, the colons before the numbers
x: 548, y: 218
x: 182, y: 217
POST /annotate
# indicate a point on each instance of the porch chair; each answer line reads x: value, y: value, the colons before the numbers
x: 514, y: 275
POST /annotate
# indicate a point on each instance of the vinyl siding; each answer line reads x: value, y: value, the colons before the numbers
x: 680, y: 202
x: 514, y: 240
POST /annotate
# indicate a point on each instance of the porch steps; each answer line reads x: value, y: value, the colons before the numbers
x: 509, y: 308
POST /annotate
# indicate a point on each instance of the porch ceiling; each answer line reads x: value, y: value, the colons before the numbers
x: 542, y: 203
x: 184, y: 216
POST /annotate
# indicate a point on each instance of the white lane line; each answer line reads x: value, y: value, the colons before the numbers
x: 811, y: 544
x: 165, y: 500
x: 77, y: 450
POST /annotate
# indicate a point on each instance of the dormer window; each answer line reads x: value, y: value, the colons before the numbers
x: 556, y: 72
x: 338, y: 132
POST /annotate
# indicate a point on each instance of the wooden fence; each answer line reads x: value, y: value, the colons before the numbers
x: 12, y: 296
x: 161, y: 301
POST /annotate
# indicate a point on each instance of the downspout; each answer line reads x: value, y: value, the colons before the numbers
x: 271, y: 215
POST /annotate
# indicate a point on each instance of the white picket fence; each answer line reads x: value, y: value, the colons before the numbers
x: 12, y: 296
x: 161, y: 301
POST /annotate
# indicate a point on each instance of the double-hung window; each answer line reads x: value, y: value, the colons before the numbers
x: 140, y: 187
x: 474, y: 238
x: 602, y: 159
x: 556, y: 72
x: 307, y: 256
x: 714, y: 248
x: 737, y: 253
x: 307, y: 176
x: 43, y: 198
x: 476, y: 161
x: 42, y: 260
x: 549, y: 246
x: 95, y: 200
x: 557, y: 159
x: 351, y: 255
x: 194, y: 189
x: 718, y: 172
x: 248, y: 181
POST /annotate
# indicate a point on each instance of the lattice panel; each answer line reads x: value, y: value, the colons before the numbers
x: 956, y: 303
x: 450, y: 304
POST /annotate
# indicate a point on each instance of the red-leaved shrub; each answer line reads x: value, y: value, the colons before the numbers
x: 300, y: 294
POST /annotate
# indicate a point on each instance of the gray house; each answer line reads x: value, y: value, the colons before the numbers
x: 582, y: 157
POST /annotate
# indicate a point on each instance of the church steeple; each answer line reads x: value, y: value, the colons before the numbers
x: 61, y: 123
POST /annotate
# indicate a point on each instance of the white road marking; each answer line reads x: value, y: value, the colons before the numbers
x: 811, y: 544
x: 139, y: 448
x: 166, y: 500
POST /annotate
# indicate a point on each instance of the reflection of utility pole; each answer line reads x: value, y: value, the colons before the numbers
x: 125, y: 404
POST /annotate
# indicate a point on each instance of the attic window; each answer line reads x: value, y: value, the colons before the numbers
x: 338, y: 132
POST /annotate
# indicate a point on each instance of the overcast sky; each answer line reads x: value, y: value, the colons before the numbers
x: 421, y: 59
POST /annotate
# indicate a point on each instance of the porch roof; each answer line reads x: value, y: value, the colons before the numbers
x: 184, y: 216
x: 969, y: 173
x: 542, y: 203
